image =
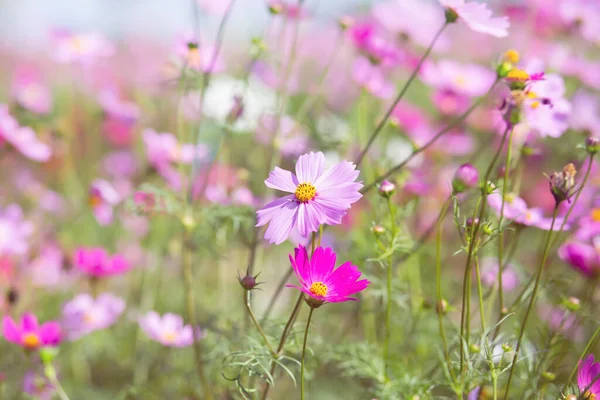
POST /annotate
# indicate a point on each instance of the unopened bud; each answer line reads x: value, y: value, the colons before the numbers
x: 474, y: 348
x: 275, y: 7
x: 548, y: 376
x: 562, y: 184
x: 237, y: 110
x: 48, y: 354
x: 346, y: 22
x: 387, y: 188
x: 592, y: 144
x: 571, y: 397
x: 442, y: 307
x: 487, y: 228
x: 572, y: 304
x: 506, y: 347
x: 472, y: 222
x: 451, y: 15
x: 465, y: 178
x: 248, y: 282
x: 12, y: 296
x: 378, y: 230
x: 488, y: 187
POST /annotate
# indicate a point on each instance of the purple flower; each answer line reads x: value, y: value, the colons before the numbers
x: 319, y: 279
x: 516, y: 209
x: 103, y: 197
x: 583, y: 257
x: 320, y: 196
x: 29, y: 334
x: 585, y: 114
x: 168, y: 330
x: 14, y: 231
x: 587, y: 373
x: 38, y: 386
x: 84, y: 314
x: 562, y: 322
x: 477, y: 17
x: 96, y: 262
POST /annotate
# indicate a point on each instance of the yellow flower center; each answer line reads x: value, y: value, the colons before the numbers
x: 512, y: 56
x: 589, y: 395
x: 169, y: 337
x: 535, y: 104
x: 517, y: 74
x: 596, y: 215
x: 305, y: 192
x: 318, y: 289
x: 95, y: 201
x: 31, y: 341
x: 460, y: 80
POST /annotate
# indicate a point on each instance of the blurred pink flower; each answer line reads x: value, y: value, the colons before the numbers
x: 216, y: 7
x: 168, y: 330
x: 373, y: 45
x: 478, y: 17
x: 38, y: 386
x: 290, y: 9
x: 197, y: 57
x: 585, y: 114
x: 372, y: 79
x: 562, y: 322
x: 15, y: 231
x: 83, y: 48
x: 583, y: 257
x: 163, y: 148
x: 120, y: 164
x: 85, y: 314
x: 291, y: 139
x: 120, y: 117
x: 103, y: 197
x: 28, y: 334
x: 516, y: 209
x: 22, y: 138
x: 29, y: 90
x: 583, y: 15
x: 489, y: 274
x: 546, y: 109
x: 97, y: 263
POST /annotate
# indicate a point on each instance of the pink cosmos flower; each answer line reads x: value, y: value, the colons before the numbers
x: 84, y: 314
x: 372, y: 78
x: 368, y: 39
x: 28, y: 334
x: 83, y: 48
x: 291, y: 138
x: 320, y: 196
x: 586, y: 374
x: 321, y: 281
x: 585, y: 114
x: 168, y: 330
x: 546, y: 110
x: 216, y: 7
x: 22, y: 138
x: 489, y: 274
x: 196, y: 57
x: 103, y: 197
x: 120, y: 164
x: 96, y: 262
x: 516, y: 209
x: 561, y: 322
x: 15, y: 231
x: 477, y: 17
x: 120, y: 117
x: 582, y: 257
x: 30, y: 92
x: 46, y: 269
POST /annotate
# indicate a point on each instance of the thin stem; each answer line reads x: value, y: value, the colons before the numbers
x: 438, y: 283
x: 583, y: 353
x: 387, y: 115
x: 258, y: 327
x: 304, y: 354
x: 188, y: 282
x: 50, y: 373
x: 501, y: 234
x: 388, y: 307
x: 531, y: 301
x: 421, y: 149
x: 480, y: 294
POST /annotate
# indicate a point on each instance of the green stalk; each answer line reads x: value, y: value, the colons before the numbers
x: 304, y: 353
x: 531, y: 301
x: 388, y: 307
x: 258, y: 327
x: 480, y: 294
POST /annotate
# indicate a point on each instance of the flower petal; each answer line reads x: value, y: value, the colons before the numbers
x: 29, y: 322
x: 309, y: 219
x: 283, y: 180
x: 11, y: 330
x: 282, y: 222
x: 338, y: 175
x: 322, y: 263
x: 267, y: 213
x: 309, y: 167
x: 50, y: 333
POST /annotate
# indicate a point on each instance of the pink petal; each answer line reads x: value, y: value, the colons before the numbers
x: 340, y: 281
x: 322, y: 263
x: 11, y: 330
x: 267, y: 213
x: 50, y: 333
x: 308, y: 219
x: 282, y: 223
x: 309, y: 167
x: 283, y: 180
x: 339, y: 175
x: 29, y: 322
x: 300, y: 264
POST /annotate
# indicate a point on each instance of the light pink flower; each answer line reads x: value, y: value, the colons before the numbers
x: 168, y: 330
x: 85, y: 314
x: 478, y: 17
x: 197, y: 57
x: 30, y: 92
x: 22, y: 138
x: 103, y: 197
x: 15, y: 231
x: 319, y: 196
x: 291, y: 139
x: 83, y: 48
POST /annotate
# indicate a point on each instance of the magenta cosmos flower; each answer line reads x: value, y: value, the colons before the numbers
x: 96, y: 262
x: 477, y: 17
x: 320, y: 281
x: 168, y: 330
x: 320, y: 196
x: 29, y: 334
x: 588, y: 370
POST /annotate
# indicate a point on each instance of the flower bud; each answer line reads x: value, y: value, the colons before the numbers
x: 572, y: 304
x: 474, y: 348
x: 378, y: 230
x: 562, y: 184
x: 548, y: 376
x: 12, y: 296
x: 571, y: 397
x: 466, y: 177
x: 442, y: 307
x: 346, y: 22
x: 451, y: 15
x: 248, y: 282
x: 48, y: 354
x: 386, y: 189
x: 472, y: 222
x: 506, y: 347
x: 592, y: 144
x: 487, y: 229
x: 275, y: 7
x: 488, y: 187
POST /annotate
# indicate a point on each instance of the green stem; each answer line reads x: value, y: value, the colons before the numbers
x: 388, y: 307
x: 438, y: 284
x: 583, y: 353
x: 480, y: 294
x: 258, y: 327
x: 531, y: 301
x: 188, y: 283
x: 387, y: 115
x: 50, y: 373
x: 304, y: 354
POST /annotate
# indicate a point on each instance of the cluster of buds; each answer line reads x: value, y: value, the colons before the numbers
x: 562, y: 184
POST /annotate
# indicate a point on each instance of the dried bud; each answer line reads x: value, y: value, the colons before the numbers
x: 442, y: 307
x: 248, y: 282
x: 12, y: 296
x: 592, y: 144
x: 472, y: 222
x: 378, y: 230
x: 387, y: 189
x: 562, y: 184
x: 237, y: 110
x: 465, y: 178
